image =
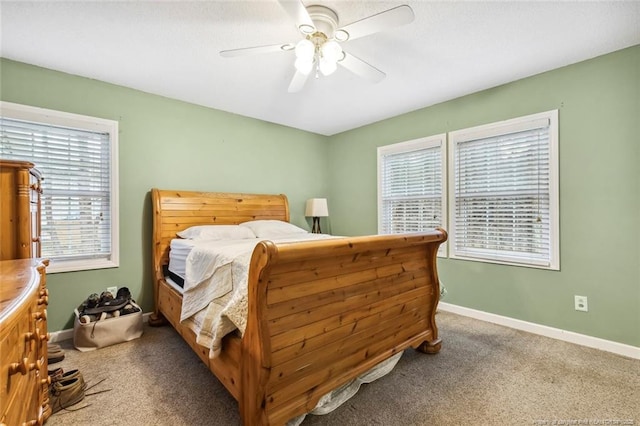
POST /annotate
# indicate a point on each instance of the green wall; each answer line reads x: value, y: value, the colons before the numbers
x: 170, y: 144
x: 598, y: 102
x: 167, y: 144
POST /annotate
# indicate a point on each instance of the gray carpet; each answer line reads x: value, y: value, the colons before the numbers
x: 485, y: 374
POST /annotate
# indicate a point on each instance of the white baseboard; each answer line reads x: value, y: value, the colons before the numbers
x: 58, y: 336
x: 543, y: 330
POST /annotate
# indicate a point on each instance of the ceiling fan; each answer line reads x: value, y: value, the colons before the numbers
x: 320, y: 51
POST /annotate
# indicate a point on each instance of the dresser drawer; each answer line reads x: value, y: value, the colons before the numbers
x: 13, y: 382
x: 23, y: 339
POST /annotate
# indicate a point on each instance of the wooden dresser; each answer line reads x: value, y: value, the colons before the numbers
x: 24, y: 380
x: 20, y: 189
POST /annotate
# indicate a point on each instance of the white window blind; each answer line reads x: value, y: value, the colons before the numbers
x: 410, y: 179
x: 504, y: 192
x: 77, y: 205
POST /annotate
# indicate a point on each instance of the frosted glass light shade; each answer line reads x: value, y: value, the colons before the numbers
x: 331, y: 50
x: 304, y: 66
x: 305, y: 49
x: 327, y: 67
x: 316, y: 207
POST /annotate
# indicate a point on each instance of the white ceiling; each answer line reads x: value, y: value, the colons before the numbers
x: 451, y: 49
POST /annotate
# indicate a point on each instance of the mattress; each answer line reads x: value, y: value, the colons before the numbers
x: 180, y: 249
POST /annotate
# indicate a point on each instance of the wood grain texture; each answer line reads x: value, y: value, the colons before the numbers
x: 320, y: 313
x: 24, y: 396
x: 20, y: 189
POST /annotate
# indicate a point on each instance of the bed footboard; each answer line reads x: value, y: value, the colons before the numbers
x: 324, y: 312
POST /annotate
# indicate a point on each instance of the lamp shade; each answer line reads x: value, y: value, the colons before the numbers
x: 316, y: 207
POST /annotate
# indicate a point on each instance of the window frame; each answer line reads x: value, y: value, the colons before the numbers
x: 502, y: 128
x: 439, y: 140
x: 92, y: 124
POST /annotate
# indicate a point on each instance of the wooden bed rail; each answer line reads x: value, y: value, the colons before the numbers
x: 322, y: 313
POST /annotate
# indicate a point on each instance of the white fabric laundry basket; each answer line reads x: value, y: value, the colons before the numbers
x: 106, y: 332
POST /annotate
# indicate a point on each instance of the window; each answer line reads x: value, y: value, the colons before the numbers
x: 503, y: 192
x: 77, y: 156
x: 411, y: 196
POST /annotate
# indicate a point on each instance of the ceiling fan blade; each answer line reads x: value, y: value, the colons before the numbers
x: 298, y: 12
x: 382, y: 21
x: 297, y: 82
x: 361, y: 68
x: 258, y: 49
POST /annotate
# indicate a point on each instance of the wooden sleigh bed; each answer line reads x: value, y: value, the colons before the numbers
x: 320, y: 313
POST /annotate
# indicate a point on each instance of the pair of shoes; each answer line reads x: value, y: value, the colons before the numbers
x: 54, y: 353
x: 108, y: 303
x: 58, y: 375
x: 65, y: 393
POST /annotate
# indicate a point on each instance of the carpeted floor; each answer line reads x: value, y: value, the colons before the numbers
x: 485, y: 374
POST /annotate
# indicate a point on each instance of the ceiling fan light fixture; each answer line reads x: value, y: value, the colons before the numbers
x: 327, y: 67
x: 305, y: 49
x: 303, y: 65
x: 331, y: 51
x: 320, y: 49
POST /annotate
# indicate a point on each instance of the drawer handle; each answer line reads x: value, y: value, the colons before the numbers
x: 44, y: 300
x: 19, y: 367
x: 40, y: 315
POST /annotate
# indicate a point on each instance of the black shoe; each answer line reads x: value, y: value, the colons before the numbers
x: 107, y: 306
x: 123, y: 293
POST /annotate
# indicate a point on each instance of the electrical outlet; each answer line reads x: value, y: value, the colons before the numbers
x: 113, y: 290
x: 581, y: 303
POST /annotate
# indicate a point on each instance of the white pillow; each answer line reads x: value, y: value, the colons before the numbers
x: 217, y: 232
x: 273, y: 228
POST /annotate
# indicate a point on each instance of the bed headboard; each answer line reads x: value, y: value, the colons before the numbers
x: 174, y: 211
